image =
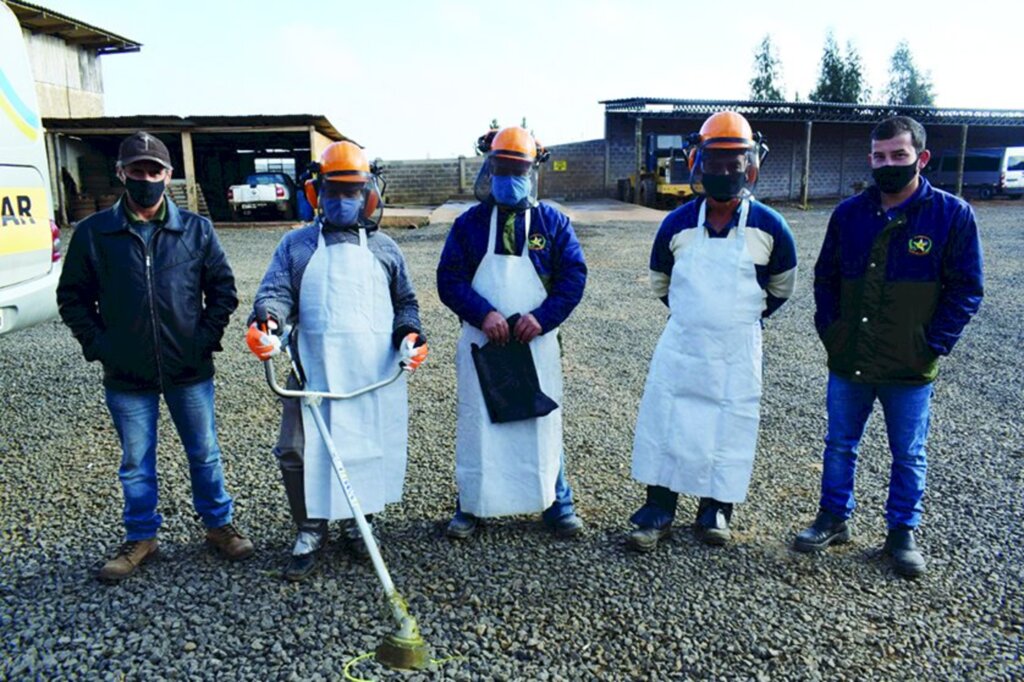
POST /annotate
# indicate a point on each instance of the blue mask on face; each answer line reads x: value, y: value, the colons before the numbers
x: 341, y: 211
x: 510, y: 190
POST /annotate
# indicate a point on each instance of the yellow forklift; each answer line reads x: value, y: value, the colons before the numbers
x: 665, y: 177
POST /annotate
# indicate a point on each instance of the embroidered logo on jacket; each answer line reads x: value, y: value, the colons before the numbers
x: 537, y: 242
x: 920, y: 245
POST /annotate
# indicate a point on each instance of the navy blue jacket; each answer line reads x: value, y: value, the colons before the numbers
x: 152, y: 314
x: 894, y: 289
x: 554, y: 251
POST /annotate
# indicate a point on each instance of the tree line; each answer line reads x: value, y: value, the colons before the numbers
x: 841, y: 76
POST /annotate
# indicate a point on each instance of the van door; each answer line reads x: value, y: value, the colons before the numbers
x: 1013, y: 175
x: 26, y: 242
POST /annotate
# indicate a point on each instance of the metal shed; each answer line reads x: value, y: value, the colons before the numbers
x: 823, y: 146
x: 209, y: 153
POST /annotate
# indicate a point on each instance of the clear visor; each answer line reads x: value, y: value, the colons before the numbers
x: 737, y: 160
x: 508, y: 182
x: 369, y: 192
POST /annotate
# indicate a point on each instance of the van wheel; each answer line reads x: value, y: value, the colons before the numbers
x: 985, y: 193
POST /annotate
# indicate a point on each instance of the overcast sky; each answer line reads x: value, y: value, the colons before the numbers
x: 414, y: 79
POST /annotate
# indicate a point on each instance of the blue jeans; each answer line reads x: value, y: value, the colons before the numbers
x: 906, y: 410
x: 560, y: 508
x: 135, y: 419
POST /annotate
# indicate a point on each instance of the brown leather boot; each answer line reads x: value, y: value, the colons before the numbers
x: 230, y: 542
x: 129, y: 557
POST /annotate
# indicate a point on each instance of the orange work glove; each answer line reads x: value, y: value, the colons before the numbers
x: 413, y: 352
x: 263, y: 343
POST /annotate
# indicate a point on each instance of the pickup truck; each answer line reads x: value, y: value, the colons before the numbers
x: 263, y: 193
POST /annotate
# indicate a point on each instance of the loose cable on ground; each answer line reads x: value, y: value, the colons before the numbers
x: 369, y: 654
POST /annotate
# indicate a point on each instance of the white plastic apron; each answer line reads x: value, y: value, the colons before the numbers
x: 345, y: 324
x: 504, y: 469
x: 696, y: 430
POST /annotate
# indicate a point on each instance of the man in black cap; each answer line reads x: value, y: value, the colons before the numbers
x: 147, y: 290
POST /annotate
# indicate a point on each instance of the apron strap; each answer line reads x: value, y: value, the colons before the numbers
x: 526, y: 237
x: 741, y: 224
x: 492, y: 232
x: 362, y: 237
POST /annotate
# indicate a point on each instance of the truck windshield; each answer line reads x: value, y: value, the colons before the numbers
x: 1015, y: 163
x: 265, y: 179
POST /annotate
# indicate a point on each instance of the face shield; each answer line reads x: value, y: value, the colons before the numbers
x: 508, y: 182
x: 347, y: 204
x: 726, y: 168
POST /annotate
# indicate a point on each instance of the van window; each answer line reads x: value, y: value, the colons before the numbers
x: 950, y: 163
x: 1015, y: 163
x: 973, y: 164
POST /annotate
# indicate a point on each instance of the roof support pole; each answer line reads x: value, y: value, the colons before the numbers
x: 638, y: 134
x: 960, y: 161
x: 191, y: 190
x: 805, y: 179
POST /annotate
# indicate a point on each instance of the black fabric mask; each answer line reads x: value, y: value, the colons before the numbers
x: 143, y: 192
x: 723, y: 187
x: 892, y: 179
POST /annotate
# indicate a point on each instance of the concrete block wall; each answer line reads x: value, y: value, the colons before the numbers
x: 583, y: 176
x: 434, y: 181
x: 429, y: 181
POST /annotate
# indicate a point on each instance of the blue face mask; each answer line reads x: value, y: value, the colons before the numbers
x: 342, y: 212
x: 510, y: 190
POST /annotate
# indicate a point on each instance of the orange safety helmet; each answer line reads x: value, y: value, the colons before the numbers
x: 514, y: 143
x: 344, y: 162
x: 727, y: 130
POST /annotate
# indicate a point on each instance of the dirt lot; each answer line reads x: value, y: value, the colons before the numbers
x: 516, y: 603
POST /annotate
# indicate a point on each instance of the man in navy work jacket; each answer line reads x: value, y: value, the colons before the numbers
x: 147, y: 290
x: 511, y: 255
x: 722, y: 263
x: 898, y: 278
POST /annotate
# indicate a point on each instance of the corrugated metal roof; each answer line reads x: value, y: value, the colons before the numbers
x: 166, y: 123
x: 651, y: 107
x: 72, y: 31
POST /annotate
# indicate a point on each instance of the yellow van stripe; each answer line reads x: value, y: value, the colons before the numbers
x: 19, y: 233
x: 27, y: 130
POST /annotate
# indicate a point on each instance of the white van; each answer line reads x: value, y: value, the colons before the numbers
x: 987, y: 172
x: 29, y: 238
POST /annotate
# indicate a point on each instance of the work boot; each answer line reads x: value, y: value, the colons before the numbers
x: 354, y: 538
x: 129, y: 557
x: 646, y: 539
x: 712, y: 523
x: 568, y: 526
x: 903, y: 553
x: 827, y: 529
x: 231, y: 544
x: 305, y: 554
x: 461, y: 526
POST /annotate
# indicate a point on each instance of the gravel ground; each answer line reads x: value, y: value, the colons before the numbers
x: 516, y: 603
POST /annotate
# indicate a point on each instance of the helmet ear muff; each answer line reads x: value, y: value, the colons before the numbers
x: 311, y: 187
x: 483, y: 143
x: 312, y: 191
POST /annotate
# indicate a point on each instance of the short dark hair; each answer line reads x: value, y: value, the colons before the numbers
x: 891, y: 127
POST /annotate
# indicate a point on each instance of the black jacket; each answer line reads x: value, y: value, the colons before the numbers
x: 152, y: 315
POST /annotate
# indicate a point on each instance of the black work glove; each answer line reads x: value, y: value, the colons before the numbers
x: 402, y: 332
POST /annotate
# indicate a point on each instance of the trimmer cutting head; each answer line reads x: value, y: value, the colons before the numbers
x: 403, y: 653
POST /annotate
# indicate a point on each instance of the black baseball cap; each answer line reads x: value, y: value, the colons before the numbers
x: 142, y: 146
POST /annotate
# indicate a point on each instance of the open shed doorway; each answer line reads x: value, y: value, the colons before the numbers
x: 226, y: 159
